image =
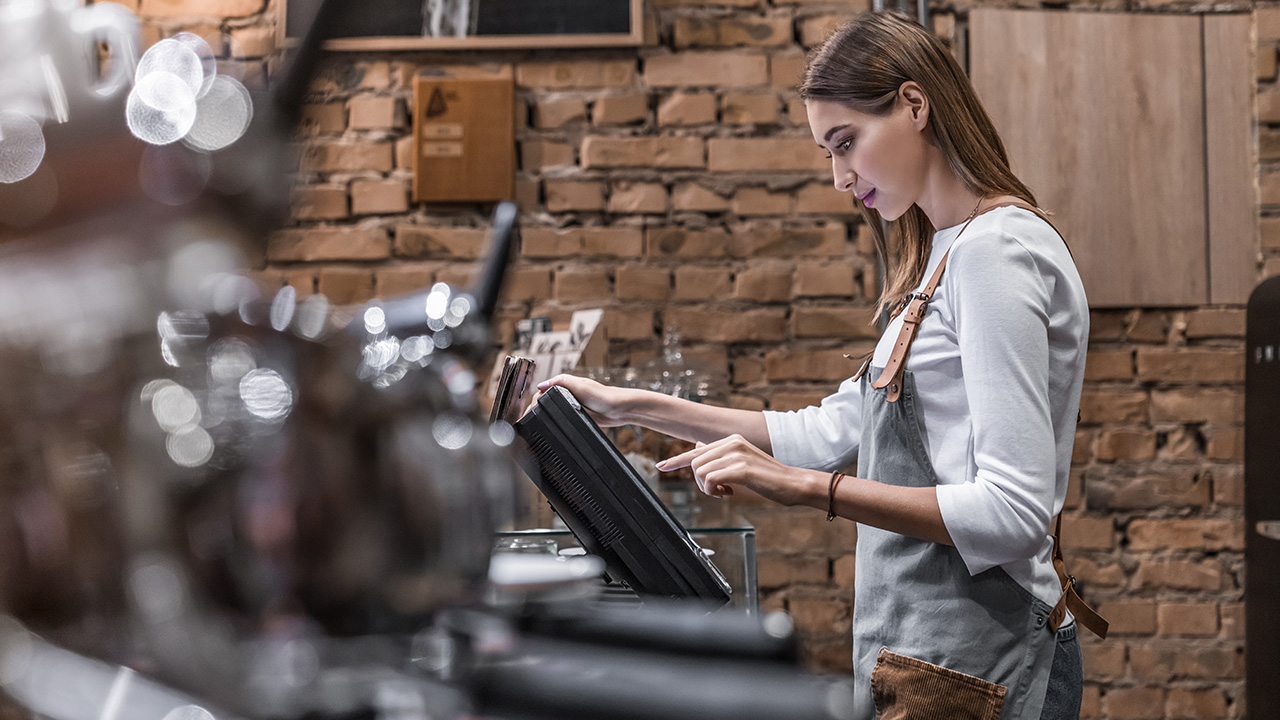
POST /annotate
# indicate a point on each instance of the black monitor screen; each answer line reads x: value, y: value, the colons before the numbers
x: 609, y: 507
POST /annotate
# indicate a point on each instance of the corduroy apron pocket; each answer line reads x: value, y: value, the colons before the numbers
x: 905, y: 688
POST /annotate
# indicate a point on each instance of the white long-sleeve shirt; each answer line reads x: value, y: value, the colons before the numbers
x: 998, y: 365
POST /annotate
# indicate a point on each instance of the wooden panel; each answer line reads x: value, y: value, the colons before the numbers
x: 464, y: 139
x: 1102, y: 116
x: 1232, y: 165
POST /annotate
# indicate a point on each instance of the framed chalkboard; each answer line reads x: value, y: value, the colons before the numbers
x: 497, y: 24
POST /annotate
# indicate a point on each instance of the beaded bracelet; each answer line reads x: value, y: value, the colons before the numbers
x: 836, y: 476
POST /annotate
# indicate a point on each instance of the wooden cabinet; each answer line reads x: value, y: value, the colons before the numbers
x: 1136, y: 130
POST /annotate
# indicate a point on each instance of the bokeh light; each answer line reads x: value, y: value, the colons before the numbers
x: 172, y: 174
x: 208, y: 60
x: 161, y: 108
x: 21, y: 146
x: 222, y: 115
x: 177, y: 58
x: 266, y: 395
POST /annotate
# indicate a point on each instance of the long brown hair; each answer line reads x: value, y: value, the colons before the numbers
x: 862, y: 66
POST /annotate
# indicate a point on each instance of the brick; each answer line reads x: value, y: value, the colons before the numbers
x: 1268, y: 144
x: 1081, y: 447
x: 373, y: 75
x: 786, y: 69
x: 692, y: 196
x: 679, y: 242
x: 1106, y: 325
x: 251, y: 42
x: 820, y: 614
x: 759, y: 201
x: 1091, y: 703
x: 318, y: 202
x: 458, y: 243
x: 784, y: 400
x: 398, y: 281
x: 695, y: 31
x: 748, y: 370
x: 1199, y: 366
x: 582, y: 285
x: 1092, y: 574
x: 1224, y: 442
x: 1200, y: 704
x: 1113, y: 406
x: 1130, y: 617
x: 576, y: 74
x: 334, y: 243
x: 757, y: 108
x: 1175, y: 574
x: 571, y: 195
x: 1103, y: 661
x: 797, y: 113
x: 1204, y: 534
x: 205, y: 8
x: 842, y: 571
x: 1269, y: 106
x: 1269, y: 233
x: 1268, y: 21
x: 1224, y: 406
x: 825, y: 279
x: 303, y: 281
x: 763, y: 283
x: 345, y: 286
x: 785, y: 570
x: 746, y: 402
x: 629, y: 323
x: 528, y: 193
x: 1088, y: 533
x: 1215, y: 322
x: 527, y: 284
x: 1108, y: 365
x: 1134, y: 703
x: 702, y: 283
x: 701, y: 3
x: 823, y: 198
x: 1187, y: 619
x: 375, y: 113
x: 592, y: 241
x: 326, y: 157
x: 1166, y: 660
x: 763, y: 155
x: 620, y: 109
x: 404, y: 150
x: 1165, y: 487
x: 816, y: 29
x: 1228, y: 485
x: 322, y: 119
x: 842, y: 322
x: 1125, y: 445
x: 538, y: 155
x: 1180, y: 445
x: 1149, y: 327
x: 552, y: 113
x: 371, y: 197
x: 1232, y: 616
x: 638, y: 197
x: 1269, y: 188
x: 762, y: 325
x: 633, y: 282
x: 662, y: 152
x: 825, y: 365
x: 721, y: 69
x: 687, y: 108
x: 753, y: 240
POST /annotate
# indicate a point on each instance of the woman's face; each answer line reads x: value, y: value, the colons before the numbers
x: 881, y: 159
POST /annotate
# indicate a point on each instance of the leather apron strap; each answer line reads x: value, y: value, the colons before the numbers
x: 891, y: 377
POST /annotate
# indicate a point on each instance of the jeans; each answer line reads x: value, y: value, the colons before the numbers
x: 1066, y: 679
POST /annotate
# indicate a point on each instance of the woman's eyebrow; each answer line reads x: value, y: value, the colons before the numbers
x: 833, y: 131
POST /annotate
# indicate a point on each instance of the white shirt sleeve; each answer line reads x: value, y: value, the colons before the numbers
x: 821, y: 437
x: 1001, y: 314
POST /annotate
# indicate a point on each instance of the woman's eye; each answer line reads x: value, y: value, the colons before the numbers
x: 846, y: 144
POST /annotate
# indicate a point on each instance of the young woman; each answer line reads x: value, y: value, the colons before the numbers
x: 963, y: 418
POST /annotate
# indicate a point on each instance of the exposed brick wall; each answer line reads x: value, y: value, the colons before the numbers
x: 676, y: 183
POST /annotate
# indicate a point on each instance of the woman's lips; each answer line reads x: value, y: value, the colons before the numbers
x: 869, y: 199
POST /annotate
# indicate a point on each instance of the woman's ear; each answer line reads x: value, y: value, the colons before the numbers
x: 913, y: 97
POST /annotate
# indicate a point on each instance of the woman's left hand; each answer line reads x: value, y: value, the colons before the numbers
x: 733, y: 461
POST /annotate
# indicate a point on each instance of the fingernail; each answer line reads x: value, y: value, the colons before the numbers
x: 662, y: 465
x: 544, y: 384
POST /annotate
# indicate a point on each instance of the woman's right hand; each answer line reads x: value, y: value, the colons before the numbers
x: 603, y: 403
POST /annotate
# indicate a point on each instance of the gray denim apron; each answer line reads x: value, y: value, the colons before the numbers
x: 932, y: 640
